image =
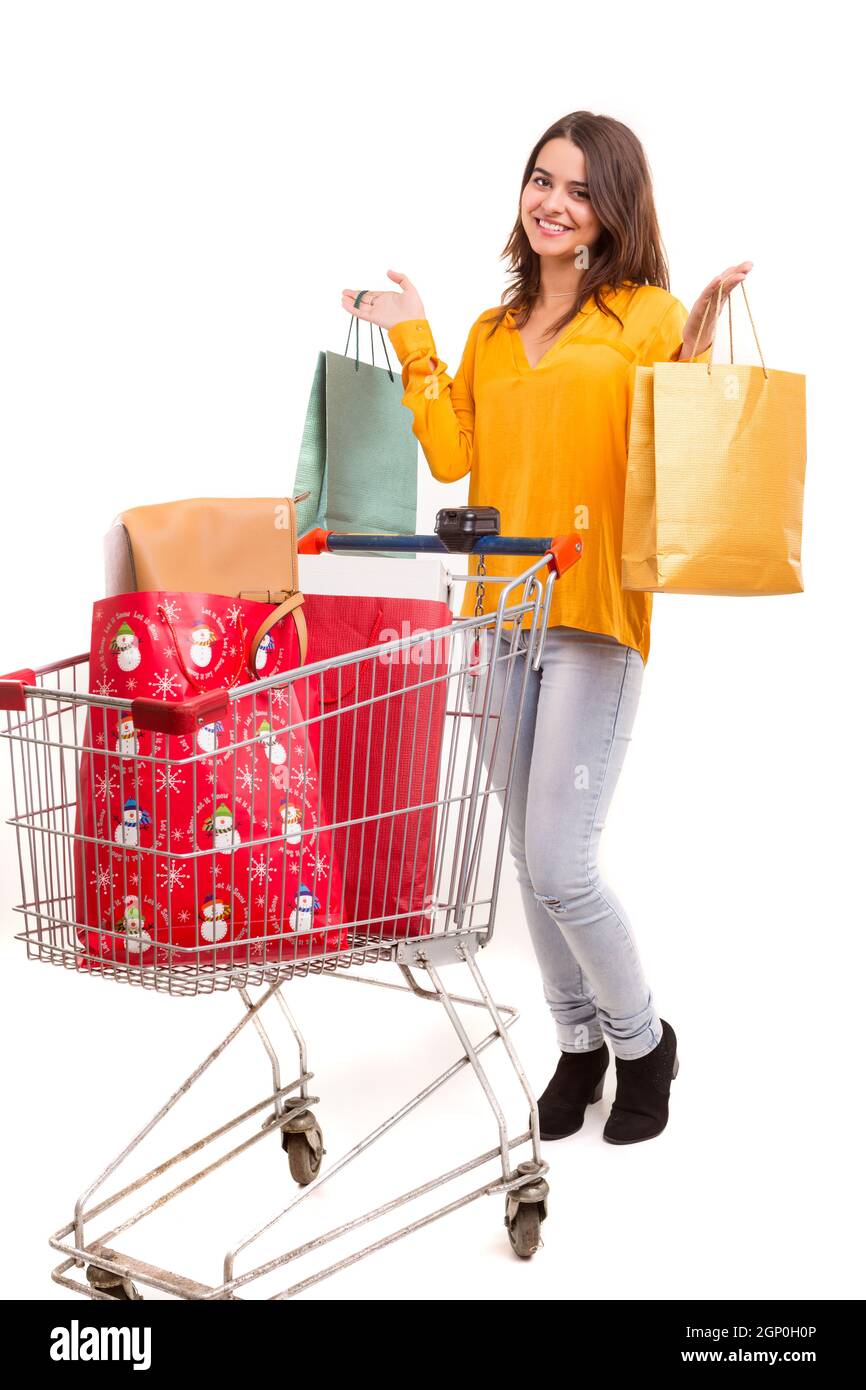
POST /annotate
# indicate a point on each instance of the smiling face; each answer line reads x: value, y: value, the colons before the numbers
x: 555, y: 209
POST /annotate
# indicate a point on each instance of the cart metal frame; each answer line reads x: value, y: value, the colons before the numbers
x: 36, y: 703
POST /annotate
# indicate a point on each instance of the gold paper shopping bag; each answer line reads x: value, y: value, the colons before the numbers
x: 714, y: 486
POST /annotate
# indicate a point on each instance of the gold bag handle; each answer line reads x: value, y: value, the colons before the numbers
x: 730, y: 325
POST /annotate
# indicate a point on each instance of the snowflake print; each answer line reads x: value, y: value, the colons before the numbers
x: 168, y: 651
x: 302, y: 779
x: 131, y: 683
x: 249, y: 780
x: 99, y: 740
x: 171, y: 610
x: 260, y: 901
x: 104, y: 687
x: 281, y: 696
x: 261, y: 870
x: 211, y: 775
x: 105, y: 786
x: 177, y: 834
x: 233, y: 651
x: 163, y: 685
x: 294, y: 862
x: 182, y: 916
x: 234, y: 613
x: 173, y: 875
x: 168, y: 778
x: 320, y: 865
x: 97, y: 615
x: 102, y: 880
x: 133, y: 878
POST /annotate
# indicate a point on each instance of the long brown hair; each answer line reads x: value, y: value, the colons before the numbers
x: 629, y: 249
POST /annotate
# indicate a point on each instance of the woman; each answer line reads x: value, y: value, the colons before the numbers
x: 538, y: 414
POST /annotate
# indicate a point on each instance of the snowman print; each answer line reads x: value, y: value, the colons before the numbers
x: 274, y: 750
x: 138, y: 938
x: 133, y: 819
x: 306, y: 904
x: 221, y: 826
x: 124, y: 644
x: 127, y: 737
x: 207, y: 737
x: 266, y: 646
x: 291, y: 819
x: 202, y: 639
x: 214, y: 922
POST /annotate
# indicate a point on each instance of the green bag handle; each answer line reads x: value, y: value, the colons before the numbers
x: 358, y: 299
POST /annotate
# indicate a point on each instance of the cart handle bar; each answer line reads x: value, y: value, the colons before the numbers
x: 184, y: 716
x: 564, y: 550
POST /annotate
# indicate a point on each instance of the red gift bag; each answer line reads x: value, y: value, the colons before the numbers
x: 379, y: 750
x: 200, y: 822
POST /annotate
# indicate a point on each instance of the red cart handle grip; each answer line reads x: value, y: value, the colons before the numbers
x: 314, y: 542
x: 565, y: 551
x: 12, y: 688
x: 178, y: 716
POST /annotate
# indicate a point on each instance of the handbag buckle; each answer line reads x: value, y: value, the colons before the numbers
x: 266, y: 595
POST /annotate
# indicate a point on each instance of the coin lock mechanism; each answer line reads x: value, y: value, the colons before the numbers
x: 459, y: 528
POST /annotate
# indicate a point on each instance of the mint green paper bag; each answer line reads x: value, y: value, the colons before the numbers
x: 359, y: 457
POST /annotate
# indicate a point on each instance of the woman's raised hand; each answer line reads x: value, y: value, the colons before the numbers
x: 387, y: 307
x: 701, y: 313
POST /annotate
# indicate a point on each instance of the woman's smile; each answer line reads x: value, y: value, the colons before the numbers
x: 550, y: 228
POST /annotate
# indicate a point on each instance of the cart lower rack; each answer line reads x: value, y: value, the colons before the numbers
x: 433, y: 691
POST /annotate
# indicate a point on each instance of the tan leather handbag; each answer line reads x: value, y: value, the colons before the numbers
x: 241, y: 547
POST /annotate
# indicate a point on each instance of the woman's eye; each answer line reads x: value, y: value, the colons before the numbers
x: 578, y: 192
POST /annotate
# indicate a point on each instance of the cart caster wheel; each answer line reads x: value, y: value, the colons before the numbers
x: 305, y: 1152
x: 524, y: 1229
x: 108, y: 1283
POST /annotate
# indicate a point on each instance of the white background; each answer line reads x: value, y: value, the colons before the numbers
x: 186, y: 190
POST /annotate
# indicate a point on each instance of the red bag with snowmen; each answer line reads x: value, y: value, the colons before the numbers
x: 202, y: 832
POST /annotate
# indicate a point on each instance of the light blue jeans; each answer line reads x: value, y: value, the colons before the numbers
x: 575, y: 729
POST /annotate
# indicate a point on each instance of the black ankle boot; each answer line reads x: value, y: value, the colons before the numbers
x: 640, y: 1110
x: 577, y: 1082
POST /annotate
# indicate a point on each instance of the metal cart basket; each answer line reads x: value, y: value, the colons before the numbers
x: 47, y: 718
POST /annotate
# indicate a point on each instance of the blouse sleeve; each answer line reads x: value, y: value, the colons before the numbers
x: 665, y: 343
x: 443, y: 407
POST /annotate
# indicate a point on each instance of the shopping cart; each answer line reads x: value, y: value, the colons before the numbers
x: 47, y: 716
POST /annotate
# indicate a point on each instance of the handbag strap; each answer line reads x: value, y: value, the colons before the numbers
x: 293, y: 605
x: 730, y: 324
x: 292, y: 600
x: 358, y: 299
x: 293, y: 546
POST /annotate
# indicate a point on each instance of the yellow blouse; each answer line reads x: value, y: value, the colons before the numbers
x: 547, y: 445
